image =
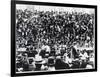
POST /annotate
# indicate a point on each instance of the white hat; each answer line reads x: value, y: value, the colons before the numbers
x: 38, y: 59
x: 89, y: 66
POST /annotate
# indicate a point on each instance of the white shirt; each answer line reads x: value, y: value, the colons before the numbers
x: 51, y: 69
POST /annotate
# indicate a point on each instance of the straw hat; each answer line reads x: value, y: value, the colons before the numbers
x: 38, y: 59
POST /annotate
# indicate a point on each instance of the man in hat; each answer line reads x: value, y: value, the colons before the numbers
x: 51, y: 63
x: 60, y: 64
x: 38, y: 62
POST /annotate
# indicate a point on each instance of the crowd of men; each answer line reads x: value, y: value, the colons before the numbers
x: 49, y: 40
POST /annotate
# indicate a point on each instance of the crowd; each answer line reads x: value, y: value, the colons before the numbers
x: 48, y: 40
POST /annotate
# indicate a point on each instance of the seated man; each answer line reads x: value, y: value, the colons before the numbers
x: 75, y: 64
x: 31, y: 65
x: 32, y: 53
x: 42, y: 53
x: 38, y: 62
x: 51, y: 64
x: 83, y: 64
x: 59, y: 64
x: 19, y: 64
x: 25, y: 64
x: 52, y: 52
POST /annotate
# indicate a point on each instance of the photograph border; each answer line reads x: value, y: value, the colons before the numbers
x: 13, y: 42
